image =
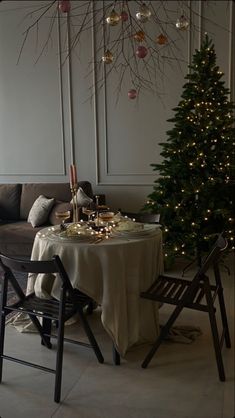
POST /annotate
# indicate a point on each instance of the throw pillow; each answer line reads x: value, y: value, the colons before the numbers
x: 60, y: 207
x: 82, y: 198
x: 40, y: 210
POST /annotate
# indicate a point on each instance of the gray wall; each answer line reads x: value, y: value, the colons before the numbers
x: 49, y: 118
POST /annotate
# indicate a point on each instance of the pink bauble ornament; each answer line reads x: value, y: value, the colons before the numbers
x: 124, y: 16
x: 132, y: 94
x: 64, y: 6
x: 141, y: 51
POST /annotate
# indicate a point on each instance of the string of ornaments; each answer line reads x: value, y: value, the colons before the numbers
x: 143, y: 15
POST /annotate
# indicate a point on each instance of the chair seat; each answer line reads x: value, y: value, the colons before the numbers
x: 48, y: 307
x: 170, y: 290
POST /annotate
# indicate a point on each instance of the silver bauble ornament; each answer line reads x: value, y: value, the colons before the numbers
x: 182, y: 23
x: 143, y: 14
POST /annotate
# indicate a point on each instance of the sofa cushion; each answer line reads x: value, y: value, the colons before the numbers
x: 16, y: 238
x: 82, y: 198
x: 60, y: 191
x: 39, y: 212
x: 60, y: 207
x: 10, y: 201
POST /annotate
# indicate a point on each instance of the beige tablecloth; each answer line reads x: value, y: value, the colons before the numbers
x: 113, y: 273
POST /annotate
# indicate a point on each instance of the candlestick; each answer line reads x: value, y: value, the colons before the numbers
x: 74, y: 203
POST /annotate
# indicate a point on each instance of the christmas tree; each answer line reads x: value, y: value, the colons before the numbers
x: 194, y: 192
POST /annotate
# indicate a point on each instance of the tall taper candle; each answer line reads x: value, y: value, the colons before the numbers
x: 71, y: 176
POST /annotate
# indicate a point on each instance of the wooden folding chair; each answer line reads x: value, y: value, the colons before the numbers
x: 197, y: 294
x: 71, y: 301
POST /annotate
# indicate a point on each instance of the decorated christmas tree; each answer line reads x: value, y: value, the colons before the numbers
x: 194, y: 192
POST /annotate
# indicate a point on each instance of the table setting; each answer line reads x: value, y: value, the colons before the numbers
x: 98, y: 227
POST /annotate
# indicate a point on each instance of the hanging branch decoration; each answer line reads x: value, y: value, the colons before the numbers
x: 134, y: 39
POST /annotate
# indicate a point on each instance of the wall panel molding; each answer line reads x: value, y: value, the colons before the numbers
x: 61, y: 110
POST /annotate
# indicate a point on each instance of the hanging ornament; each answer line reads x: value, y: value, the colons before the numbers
x: 139, y: 36
x: 161, y: 39
x: 64, y: 6
x: 132, y: 94
x: 141, y: 51
x: 143, y: 14
x: 107, y: 57
x: 124, y: 16
x: 182, y: 23
x: 113, y: 18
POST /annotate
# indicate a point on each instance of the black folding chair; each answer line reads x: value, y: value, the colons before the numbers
x: 197, y: 294
x: 71, y: 301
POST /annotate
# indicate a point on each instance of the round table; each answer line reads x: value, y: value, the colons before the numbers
x: 112, y: 272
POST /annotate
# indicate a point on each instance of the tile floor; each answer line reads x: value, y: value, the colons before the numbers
x: 181, y: 381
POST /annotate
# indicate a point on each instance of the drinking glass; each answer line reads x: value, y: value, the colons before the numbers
x: 88, y: 211
x: 106, y: 217
x: 63, y: 216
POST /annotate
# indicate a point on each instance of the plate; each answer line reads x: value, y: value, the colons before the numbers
x: 148, y: 229
x: 78, y: 238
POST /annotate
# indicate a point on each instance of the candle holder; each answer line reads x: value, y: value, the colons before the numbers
x: 74, y: 190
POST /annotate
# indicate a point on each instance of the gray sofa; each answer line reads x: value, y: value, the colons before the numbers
x: 16, y: 234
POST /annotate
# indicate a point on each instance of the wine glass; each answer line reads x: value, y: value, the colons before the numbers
x: 88, y: 211
x: 106, y: 217
x: 63, y: 216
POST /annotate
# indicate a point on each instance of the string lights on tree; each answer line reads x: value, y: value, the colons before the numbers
x: 195, y: 191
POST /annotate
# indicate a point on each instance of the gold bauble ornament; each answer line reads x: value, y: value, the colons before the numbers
x: 113, y: 19
x: 107, y: 57
x: 139, y: 36
x: 161, y: 39
x: 143, y: 14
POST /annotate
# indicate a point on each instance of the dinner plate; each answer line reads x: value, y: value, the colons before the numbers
x: 78, y: 238
x: 148, y: 229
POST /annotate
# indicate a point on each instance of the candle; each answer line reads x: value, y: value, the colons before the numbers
x: 71, y: 176
x: 75, y: 179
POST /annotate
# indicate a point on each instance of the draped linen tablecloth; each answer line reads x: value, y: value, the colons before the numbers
x: 113, y: 273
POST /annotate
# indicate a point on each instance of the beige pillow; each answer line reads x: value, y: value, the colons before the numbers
x: 40, y: 210
x: 82, y: 198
